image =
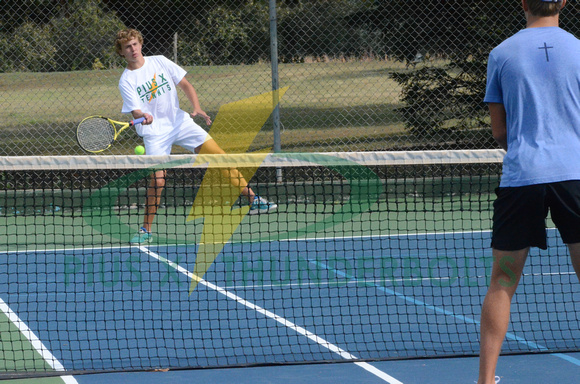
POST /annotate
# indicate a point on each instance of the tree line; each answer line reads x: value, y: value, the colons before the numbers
x: 64, y: 35
x: 445, y: 43
x: 61, y: 35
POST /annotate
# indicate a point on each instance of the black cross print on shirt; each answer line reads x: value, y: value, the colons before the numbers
x: 546, y: 47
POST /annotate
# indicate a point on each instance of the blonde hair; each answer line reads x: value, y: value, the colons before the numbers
x: 124, y: 36
x: 544, y: 8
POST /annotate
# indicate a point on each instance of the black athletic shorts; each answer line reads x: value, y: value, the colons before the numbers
x: 519, y: 218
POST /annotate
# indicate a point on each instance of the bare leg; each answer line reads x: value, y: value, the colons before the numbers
x: 575, y: 257
x: 154, y: 192
x: 234, y: 176
x: 495, y: 313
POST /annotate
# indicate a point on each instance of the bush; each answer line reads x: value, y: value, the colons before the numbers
x: 441, y: 102
x: 444, y: 97
x: 79, y: 39
x: 311, y: 29
x: 86, y: 35
x: 241, y: 35
x: 28, y: 49
x: 227, y: 36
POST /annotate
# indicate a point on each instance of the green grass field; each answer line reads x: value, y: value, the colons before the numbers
x: 329, y: 106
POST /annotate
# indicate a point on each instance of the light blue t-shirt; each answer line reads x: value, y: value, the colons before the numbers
x: 535, y: 74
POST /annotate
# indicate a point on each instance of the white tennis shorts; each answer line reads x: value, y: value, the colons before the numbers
x: 189, y: 136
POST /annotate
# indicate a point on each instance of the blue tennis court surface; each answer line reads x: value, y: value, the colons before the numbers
x: 261, y: 303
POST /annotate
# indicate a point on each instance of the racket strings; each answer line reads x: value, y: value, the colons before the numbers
x: 95, y: 134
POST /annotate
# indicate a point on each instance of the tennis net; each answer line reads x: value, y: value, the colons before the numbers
x: 369, y: 256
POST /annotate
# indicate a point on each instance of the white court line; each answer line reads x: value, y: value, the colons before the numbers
x: 304, y: 332
x: 293, y: 239
x: 35, y: 342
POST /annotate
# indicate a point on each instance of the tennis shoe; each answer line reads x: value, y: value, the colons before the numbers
x: 261, y: 205
x: 143, y: 236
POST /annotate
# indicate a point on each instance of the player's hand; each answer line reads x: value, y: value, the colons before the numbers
x: 148, y: 119
x: 201, y: 113
x: 147, y: 116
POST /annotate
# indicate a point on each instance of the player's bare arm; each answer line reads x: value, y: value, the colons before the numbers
x: 498, y: 124
x: 191, y: 94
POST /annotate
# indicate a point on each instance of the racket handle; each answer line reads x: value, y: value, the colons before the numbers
x: 137, y: 121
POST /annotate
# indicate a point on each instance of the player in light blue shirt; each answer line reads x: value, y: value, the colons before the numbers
x: 535, y: 75
x: 533, y: 92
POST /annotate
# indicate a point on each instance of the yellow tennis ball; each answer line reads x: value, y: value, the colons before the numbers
x: 139, y: 150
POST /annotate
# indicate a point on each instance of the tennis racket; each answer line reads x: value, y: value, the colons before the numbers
x: 97, y: 133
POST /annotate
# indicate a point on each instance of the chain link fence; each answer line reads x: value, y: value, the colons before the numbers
x: 362, y: 75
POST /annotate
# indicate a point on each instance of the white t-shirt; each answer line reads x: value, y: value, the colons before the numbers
x: 153, y: 89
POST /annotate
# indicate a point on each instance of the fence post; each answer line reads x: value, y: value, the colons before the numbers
x: 275, y: 79
x: 275, y: 84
